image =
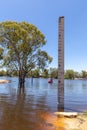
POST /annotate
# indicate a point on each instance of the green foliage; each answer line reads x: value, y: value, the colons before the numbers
x: 53, y: 73
x: 3, y: 73
x: 45, y: 73
x: 77, y: 74
x: 42, y: 58
x: 34, y: 73
x: 69, y: 74
x: 84, y: 74
x: 23, y: 42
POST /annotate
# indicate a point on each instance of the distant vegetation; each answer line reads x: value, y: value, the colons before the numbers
x: 48, y: 73
x: 71, y: 74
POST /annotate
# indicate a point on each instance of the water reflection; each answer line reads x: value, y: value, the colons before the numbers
x: 61, y: 96
x: 61, y: 107
x: 31, y: 108
x: 23, y: 110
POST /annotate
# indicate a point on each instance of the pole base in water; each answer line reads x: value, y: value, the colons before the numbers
x: 66, y: 114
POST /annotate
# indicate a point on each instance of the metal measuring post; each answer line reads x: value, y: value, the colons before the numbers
x: 61, y: 62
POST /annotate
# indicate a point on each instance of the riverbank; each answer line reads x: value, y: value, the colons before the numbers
x: 54, y: 122
x: 77, y: 123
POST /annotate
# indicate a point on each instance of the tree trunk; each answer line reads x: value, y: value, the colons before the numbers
x: 21, y: 80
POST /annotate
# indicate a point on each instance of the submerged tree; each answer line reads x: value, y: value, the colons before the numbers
x: 22, y: 42
x: 1, y: 53
x: 1, y: 56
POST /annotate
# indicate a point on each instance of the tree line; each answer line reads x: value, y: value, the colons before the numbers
x: 48, y: 73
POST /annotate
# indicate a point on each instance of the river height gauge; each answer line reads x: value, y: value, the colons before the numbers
x: 61, y: 62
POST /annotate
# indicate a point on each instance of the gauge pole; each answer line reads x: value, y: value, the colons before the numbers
x: 61, y: 62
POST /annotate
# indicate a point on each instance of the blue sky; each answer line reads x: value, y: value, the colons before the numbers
x: 44, y: 14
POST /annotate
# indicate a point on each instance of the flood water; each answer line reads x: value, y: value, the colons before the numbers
x: 33, y: 107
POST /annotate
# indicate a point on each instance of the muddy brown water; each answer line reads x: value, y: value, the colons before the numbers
x: 33, y: 107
